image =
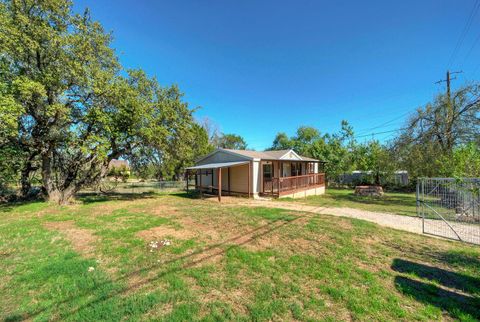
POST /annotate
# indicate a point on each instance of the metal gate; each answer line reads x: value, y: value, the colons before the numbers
x: 450, y: 208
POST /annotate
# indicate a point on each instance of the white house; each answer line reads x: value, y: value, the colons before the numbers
x: 276, y: 174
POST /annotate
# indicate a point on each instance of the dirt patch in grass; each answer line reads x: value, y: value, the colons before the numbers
x: 290, y: 242
x: 204, y: 231
x: 162, y: 232
x: 161, y: 209
x: 259, y: 238
x: 82, y: 240
x: 211, y: 232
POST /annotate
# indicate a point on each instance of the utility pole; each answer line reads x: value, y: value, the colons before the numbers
x: 450, y: 107
x: 447, y: 80
x: 448, y: 86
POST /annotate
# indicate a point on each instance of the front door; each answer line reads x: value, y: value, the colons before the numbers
x: 267, y: 171
x: 267, y: 177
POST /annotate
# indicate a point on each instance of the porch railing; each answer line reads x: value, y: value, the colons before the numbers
x: 284, y: 185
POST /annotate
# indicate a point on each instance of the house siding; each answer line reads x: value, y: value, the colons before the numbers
x: 239, y: 178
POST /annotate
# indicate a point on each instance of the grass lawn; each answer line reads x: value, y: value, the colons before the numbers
x: 391, y: 202
x: 92, y: 261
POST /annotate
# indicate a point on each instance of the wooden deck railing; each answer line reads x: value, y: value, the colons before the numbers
x: 285, y: 185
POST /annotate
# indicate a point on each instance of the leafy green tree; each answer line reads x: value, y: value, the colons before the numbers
x: 150, y: 163
x: 119, y: 173
x: 333, y: 148
x: 463, y: 162
x: 231, y: 141
x: 304, y: 140
x: 374, y: 158
x: 73, y: 108
x: 281, y: 142
x: 200, y: 143
x: 436, y: 130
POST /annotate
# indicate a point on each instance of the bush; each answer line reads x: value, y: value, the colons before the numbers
x: 119, y: 173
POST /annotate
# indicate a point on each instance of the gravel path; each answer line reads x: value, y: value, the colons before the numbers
x: 411, y: 224
x: 435, y: 228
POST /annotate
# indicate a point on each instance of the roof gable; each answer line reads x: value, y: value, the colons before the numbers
x: 291, y: 155
x: 222, y: 155
x: 230, y: 155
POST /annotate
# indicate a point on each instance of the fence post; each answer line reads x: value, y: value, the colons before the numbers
x: 417, y: 189
x: 423, y: 206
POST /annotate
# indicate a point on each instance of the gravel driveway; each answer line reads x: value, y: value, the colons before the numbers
x: 411, y: 224
x: 434, y: 228
x: 467, y: 232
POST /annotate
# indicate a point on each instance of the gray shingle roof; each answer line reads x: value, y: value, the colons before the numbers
x: 266, y: 155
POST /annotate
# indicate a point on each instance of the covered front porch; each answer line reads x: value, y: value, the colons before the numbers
x: 289, y: 178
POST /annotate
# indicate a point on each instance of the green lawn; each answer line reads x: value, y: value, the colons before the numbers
x: 91, y: 261
x: 391, y: 202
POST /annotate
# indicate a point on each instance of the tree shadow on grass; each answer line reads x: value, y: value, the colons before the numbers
x: 205, y: 195
x: 463, y: 259
x: 84, y: 197
x: 456, y: 305
x: 190, y: 195
x: 454, y: 293
x: 469, y: 261
x: 88, y: 198
x: 459, y: 281
x: 11, y: 206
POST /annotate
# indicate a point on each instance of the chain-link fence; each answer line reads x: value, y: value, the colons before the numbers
x: 450, y: 207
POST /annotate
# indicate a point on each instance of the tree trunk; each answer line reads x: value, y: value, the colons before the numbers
x: 28, y: 168
x: 25, y: 182
x: 377, y: 178
x: 60, y: 184
x: 62, y: 197
x: 52, y: 189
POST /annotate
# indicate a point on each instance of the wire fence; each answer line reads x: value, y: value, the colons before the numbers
x: 137, y: 187
x: 450, y: 208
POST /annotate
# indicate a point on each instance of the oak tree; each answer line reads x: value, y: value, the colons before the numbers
x: 68, y: 104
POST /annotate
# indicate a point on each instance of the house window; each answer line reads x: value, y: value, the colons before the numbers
x: 311, y: 167
x: 268, y: 171
x: 295, y: 169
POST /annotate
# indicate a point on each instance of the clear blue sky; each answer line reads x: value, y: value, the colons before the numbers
x: 259, y: 67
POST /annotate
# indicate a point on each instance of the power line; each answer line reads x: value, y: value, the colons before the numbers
x: 386, y: 123
x: 471, y: 49
x: 465, y: 31
x: 469, y: 105
x: 384, y: 132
